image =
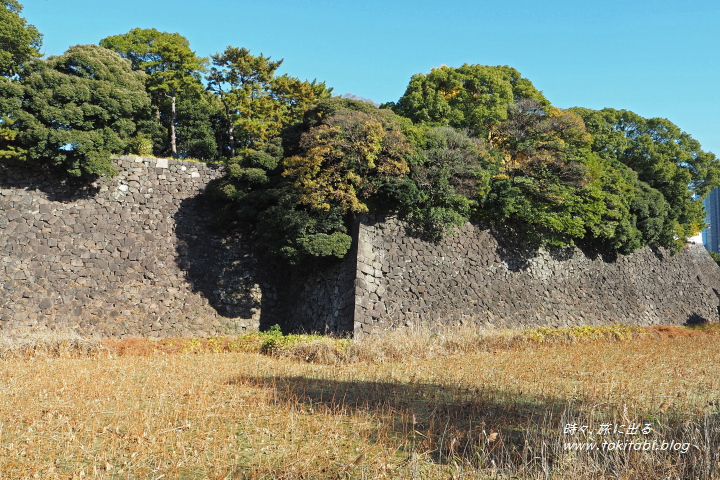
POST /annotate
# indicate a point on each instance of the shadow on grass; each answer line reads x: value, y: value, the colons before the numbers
x: 510, y: 431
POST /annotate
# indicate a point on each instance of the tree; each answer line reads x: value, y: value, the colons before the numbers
x: 473, y: 97
x: 79, y: 108
x: 447, y: 175
x: 534, y: 134
x: 172, y: 69
x: 8, y: 149
x: 199, y: 119
x: 19, y: 41
x: 300, y: 191
x: 256, y: 102
x: 10, y: 104
x: 549, y: 184
x: 666, y: 160
x: 348, y: 156
x: 242, y: 82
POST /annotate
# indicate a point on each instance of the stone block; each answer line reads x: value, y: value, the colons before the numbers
x: 361, y: 284
x: 45, y: 304
x: 367, y: 269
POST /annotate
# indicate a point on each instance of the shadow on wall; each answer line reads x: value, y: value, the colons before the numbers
x: 515, y: 253
x: 696, y: 320
x: 222, y: 268
x: 52, y: 181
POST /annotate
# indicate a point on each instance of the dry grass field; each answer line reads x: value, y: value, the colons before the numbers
x: 415, y: 405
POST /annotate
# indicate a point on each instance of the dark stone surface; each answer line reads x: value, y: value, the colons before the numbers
x: 137, y: 255
x: 483, y: 277
x: 135, y: 261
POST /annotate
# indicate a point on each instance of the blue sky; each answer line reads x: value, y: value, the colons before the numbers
x: 658, y: 58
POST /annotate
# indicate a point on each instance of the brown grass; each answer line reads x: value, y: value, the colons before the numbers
x: 24, y: 343
x: 459, y: 405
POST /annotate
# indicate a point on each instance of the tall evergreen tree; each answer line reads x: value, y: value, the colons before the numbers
x: 79, y: 108
x: 19, y: 41
x: 256, y: 102
x: 173, y: 70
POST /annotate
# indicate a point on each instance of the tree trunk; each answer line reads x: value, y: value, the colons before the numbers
x: 230, y: 129
x: 173, y: 141
x: 231, y: 138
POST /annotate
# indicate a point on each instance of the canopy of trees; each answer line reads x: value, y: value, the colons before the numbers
x: 78, y: 108
x: 19, y: 41
x: 173, y: 73
x: 300, y: 190
x: 669, y: 165
x: 257, y: 104
x: 473, y: 143
x: 473, y: 97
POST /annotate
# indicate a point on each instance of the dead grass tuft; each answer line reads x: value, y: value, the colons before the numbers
x: 148, y: 346
x: 22, y: 343
x: 318, y: 351
x: 429, y: 342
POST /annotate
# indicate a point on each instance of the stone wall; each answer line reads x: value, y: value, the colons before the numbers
x: 316, y: 299
x: 137, y: 255
x: 478, y: 276
x: 134, y: 255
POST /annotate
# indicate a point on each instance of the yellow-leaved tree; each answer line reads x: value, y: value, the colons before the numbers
x: 347, y: 157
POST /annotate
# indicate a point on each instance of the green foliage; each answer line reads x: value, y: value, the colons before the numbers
x: 547, y: 183
x: 509, y: 158
x: 79, y: 108
x: 300, y: 192
x: 171, y: 66
x: 287, y: 229
x: 19, y: 44
x: 7, y: 140
x: 473, y: 97
x: 611, y: 225
x: 19, y: 41
x: 446, y: 178
x: 199, y: 115
x: 275, y: 343
x: 673, y: 173
x: 141, y: 145
x: 173, y: 75
x: 324, y: 245
x: 715, y: 256
x: 256, y: 195
x: 531, y: 167
x: 609, y: 178
x: 258, y: 104
x: 347, y: 157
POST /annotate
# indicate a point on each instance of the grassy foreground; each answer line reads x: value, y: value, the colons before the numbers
x: 454, y: 404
